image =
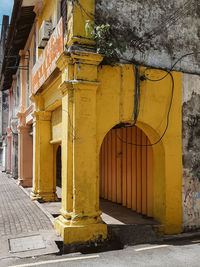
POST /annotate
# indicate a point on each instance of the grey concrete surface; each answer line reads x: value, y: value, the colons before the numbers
x: 113, y: 213
x: 174, y: 254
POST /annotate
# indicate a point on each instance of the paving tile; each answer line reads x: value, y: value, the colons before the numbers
x: 17, y: 211
x: 20, y: 217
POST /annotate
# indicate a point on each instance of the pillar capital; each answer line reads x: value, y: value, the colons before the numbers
x: 38, y: 100
x: 73, y: 85
x: 41, y: 116
x: 22, y: 128
x: 22, y: 120
x: 65, y: 87
x: 83, y: 57
x: 63, y: 61
x: 84, y: 85
x: 14, y: 77
x: 85, y: 65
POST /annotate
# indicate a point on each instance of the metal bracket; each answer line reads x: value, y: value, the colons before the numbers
x: 26, y: 57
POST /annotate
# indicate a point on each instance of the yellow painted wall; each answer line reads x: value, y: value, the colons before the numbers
x: 115, y: 98
x: 56, y: 124
x: 52, y: 95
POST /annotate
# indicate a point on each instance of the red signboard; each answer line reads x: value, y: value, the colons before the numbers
x: 46, y: 63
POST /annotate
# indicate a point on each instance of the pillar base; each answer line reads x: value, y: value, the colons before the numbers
x: 80, y: 233
x: 44, y: 197
x: 171, y: 229
x: 34, y: 196
x: 25, y: 182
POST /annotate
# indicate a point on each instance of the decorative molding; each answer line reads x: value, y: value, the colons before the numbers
x: 63, y: 61
x: 86, y: 57
x: 41, y: 116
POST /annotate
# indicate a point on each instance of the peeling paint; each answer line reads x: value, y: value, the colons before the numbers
x: 191, y: 201
x: 191, y: 152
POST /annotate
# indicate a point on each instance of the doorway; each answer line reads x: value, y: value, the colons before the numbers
x: 126, y: 169
x: 58, y: 171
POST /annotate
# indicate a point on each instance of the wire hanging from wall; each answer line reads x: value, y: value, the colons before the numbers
x: 144, y: 77
x: 167, y: 121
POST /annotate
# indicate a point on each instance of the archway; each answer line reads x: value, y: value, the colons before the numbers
x: 58, y: 168
x: 126, y: 170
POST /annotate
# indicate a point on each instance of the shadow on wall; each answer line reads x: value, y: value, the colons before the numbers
x: 58, y: 168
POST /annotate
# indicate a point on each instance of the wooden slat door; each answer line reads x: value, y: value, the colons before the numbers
x: 126, y: 171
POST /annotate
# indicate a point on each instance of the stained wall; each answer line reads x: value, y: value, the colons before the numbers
x: 156, y: 32
x: 191, y: 151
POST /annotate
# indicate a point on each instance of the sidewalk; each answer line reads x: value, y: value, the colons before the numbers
x: 26, y: 226
x: 25, y: 230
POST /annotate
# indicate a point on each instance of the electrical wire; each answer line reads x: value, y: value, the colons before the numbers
x: 172, y: 68
x: 167, y: 123
x: 136, y: 99
x: 91, y: 16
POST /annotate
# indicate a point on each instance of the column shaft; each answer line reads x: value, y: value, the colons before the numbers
x: 25, y: 158
x: 43, y: 185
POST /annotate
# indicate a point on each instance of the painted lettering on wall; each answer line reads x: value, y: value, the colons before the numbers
x: 46, y: 64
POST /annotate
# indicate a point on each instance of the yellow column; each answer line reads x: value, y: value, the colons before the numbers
x: 43, y: 180
x: 80, y: 219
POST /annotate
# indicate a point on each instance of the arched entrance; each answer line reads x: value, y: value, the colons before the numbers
x: 126, y: 170
x: 58, y: 167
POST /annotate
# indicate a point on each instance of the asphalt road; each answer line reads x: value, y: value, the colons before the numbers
x: 177, y: 253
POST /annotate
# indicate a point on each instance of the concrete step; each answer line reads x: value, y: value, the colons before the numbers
x: 119, y: 236
x: 135, y: 234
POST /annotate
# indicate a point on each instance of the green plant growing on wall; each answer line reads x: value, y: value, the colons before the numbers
x: 106, y: 44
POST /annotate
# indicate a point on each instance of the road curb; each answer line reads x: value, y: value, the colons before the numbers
x: 181, y: 236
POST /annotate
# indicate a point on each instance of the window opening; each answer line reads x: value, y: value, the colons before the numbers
x: 64, y: 13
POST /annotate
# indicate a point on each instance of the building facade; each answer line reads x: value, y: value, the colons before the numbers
x: 125, y: 132
x: 14, y: 82
x: 78, y: 107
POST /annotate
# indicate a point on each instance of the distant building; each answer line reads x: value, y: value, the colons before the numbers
x: 3, y: 98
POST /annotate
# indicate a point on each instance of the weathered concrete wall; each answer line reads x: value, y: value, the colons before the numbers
x: 156, y: 32
x: 191, y: 151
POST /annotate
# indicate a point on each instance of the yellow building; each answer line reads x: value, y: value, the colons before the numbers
x: 88, y: 110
